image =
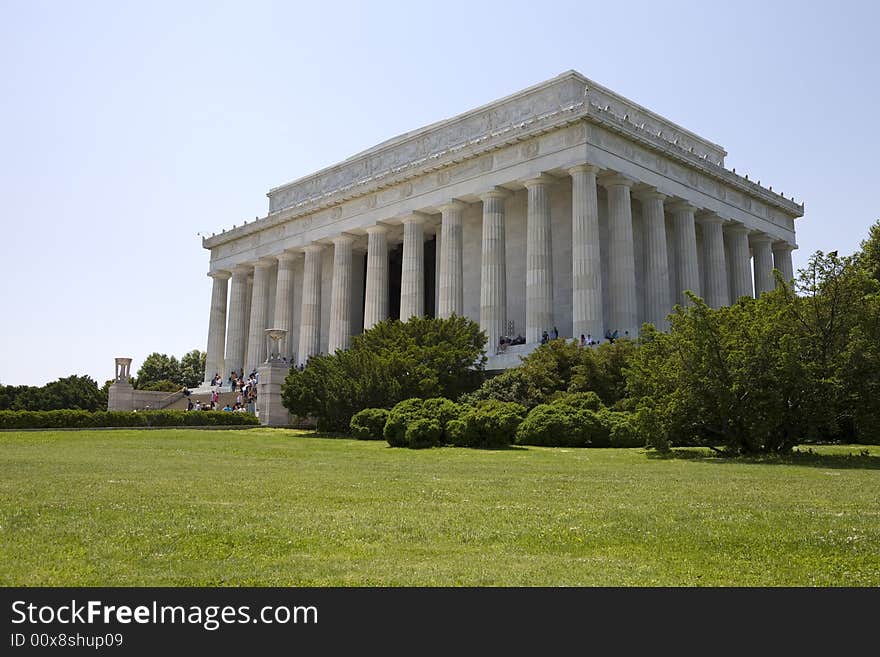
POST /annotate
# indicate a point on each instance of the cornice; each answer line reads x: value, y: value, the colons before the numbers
x: 583, y: 110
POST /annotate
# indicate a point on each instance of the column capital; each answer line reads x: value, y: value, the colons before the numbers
x: 683, y: 206
x: 760, y: 238
x: 287, y: 257
x: 264, y: 263
x: 454, y: 204
x: 314, y: 247
x: 709, y: 219
x: 783, y: 246
x: 540, y: 179
x: 583, y: 168
x: 414, y: 218
x: 242, y: 270
x: 221, y: 274
x: 616, y: 180
x: 646, y: 193
x: 495, y: 192
x: 343, y: 239
x: 380, y: 229
x: 736, y: 228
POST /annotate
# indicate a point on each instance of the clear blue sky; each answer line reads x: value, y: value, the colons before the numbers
x: 127, y: 128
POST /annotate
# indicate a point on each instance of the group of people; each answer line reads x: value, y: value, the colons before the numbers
x: 585, y: 341
x: 505, y: 341
x: 212, y: 406
x: 552, y: 335
x: 615, y: 335
x: 245, y: 385
x: 245, y: 401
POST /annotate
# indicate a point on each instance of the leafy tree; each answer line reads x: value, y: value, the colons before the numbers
x: 388, y: 363
x: 561, y: 366
x: 72, y: 392
x: 725, y: 377
x: 159, y: 367
x: 868, y: 258
x: 192, y: 368
x: 161, y: 386
x: 800, y: 363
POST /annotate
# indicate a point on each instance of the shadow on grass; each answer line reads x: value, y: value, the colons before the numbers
x: 858, y: 459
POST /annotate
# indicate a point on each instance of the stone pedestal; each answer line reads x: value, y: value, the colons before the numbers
x: 271, y: 375
x: 120, y: 396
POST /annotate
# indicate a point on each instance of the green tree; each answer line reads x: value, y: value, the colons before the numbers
x: 390, y: 362
x: 72, y: 392
x: 561, y: 366
x: 158, y: 367
x: 192, y: 368
x: 800, y: 363
x: 868, y: 257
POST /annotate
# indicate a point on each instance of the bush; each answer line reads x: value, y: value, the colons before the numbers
x: 623, y: 428
x: 69, y: 419
x: 423, y: 433
x: 560, y: 425
x: 388, y: 363
x: 405, y: 413
x: 581, y: 401
x: 490, y: 423
x: 369, y: 424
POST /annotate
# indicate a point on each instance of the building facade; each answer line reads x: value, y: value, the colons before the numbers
x: 561, y: 206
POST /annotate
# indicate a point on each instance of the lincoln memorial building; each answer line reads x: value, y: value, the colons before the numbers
x: 563, y: 205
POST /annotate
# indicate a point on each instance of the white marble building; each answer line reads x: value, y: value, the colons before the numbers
x: 561, y: 205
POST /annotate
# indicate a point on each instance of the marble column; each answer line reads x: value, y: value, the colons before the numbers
x: 657, y: 302
x: 586, y: 263
x: 763, y: 263
x: 256, y: 350
x: 621, y: 258
x: 376, y: 294
x: 716, y: 294
x: 340, y: 298
x: 451, y: 298
x: 686, y: 250
x: 782, y: 260
x: 740, y: 261
x: 237, y: 323
x: 412, y: 275
x: 217, y: 326
x: 539, y: 259
x: 493, y: 269
x: 249, y: 295
x: 284, y: 300
x: 310, y: 313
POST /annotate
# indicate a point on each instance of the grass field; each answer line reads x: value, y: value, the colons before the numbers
x: 274, y: 507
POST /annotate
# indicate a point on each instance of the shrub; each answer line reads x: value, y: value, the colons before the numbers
x: 560, y: 425
x: 623, y: 428
x: 490, y: 423
x: 410, y: 410
x: 369, y: 424
x: 423, y: 433
x: 69, y: 419
x: 582, y: 401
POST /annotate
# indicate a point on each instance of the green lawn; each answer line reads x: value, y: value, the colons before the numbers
x: 274, y: 507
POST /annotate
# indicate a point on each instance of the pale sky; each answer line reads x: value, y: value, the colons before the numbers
x: 128, y: 128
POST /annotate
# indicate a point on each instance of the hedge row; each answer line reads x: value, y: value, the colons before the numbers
x: 570, y: 420
x: 70, y: 419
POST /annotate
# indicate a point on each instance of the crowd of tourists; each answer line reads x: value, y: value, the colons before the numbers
x: 245, y: 400
x: 546, y: 336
